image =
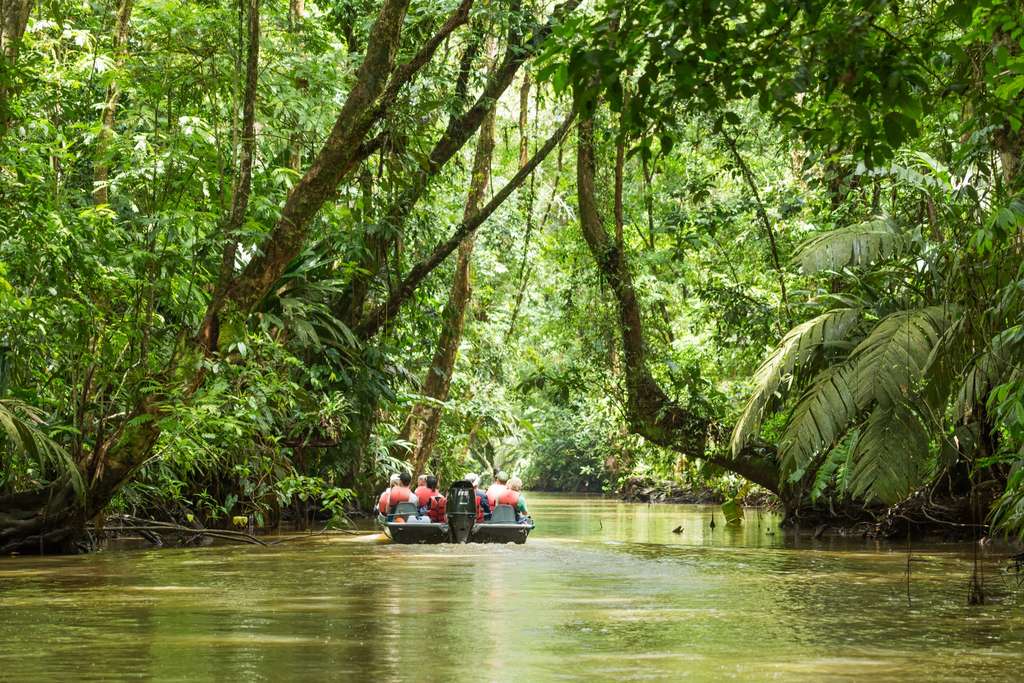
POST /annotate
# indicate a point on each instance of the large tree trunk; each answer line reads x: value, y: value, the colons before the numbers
x: 649, y: 410
x: 422, y: 425
x: 367, y: 102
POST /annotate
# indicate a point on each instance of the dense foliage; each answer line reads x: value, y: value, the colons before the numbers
x: 240, y: 243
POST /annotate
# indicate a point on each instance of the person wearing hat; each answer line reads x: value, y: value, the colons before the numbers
x: 498, y: 488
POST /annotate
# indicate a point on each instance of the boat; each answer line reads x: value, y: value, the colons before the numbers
x: 401, y: 526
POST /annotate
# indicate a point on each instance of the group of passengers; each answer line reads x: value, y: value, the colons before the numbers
x: 431, y: 504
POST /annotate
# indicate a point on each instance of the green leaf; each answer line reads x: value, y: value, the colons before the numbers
x: 733, y: 512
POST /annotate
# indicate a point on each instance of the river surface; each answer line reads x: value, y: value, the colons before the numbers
x: 602, y: 591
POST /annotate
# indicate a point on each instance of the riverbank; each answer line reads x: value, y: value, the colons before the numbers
x: 643, y: 490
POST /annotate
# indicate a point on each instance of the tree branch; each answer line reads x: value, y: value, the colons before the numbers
x: 387, y: 310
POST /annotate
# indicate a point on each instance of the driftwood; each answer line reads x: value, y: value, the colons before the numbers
x: 151, y: 530
x: 148, y: 527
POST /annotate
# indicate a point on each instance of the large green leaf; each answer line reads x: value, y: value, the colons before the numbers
x: 801, y: 345
x: 854, y: 245
x: 892, y: 358
x: 20, y: 427
x: 823, y: 414
x: 890, y: 458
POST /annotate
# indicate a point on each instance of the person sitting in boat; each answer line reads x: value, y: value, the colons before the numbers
x: 398, y: 494
x: 422, y: 492
x: 513, y: 496
x: 436, y: 502
x: 483, y: 506
x: 382, y: 501
x: 495, y: 490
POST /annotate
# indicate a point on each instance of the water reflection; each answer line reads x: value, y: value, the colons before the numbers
x: 602, y: 591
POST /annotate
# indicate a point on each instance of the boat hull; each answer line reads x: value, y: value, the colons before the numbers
x: 486, y: 532
x: 417, y: 533
x: 500, y: 533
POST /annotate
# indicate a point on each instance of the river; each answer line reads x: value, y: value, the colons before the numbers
x: 603, y: 590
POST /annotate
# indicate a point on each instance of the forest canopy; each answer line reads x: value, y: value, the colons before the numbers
x: 256, y: 257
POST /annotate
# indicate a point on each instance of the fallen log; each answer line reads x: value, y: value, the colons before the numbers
x: 130, y: 524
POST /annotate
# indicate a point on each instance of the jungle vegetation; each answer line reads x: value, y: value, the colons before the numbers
x: 256, y: 256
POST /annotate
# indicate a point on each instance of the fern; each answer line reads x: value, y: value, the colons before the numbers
x: 793, y: 356
x: 852, y: 246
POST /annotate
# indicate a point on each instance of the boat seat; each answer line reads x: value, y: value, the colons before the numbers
x: 406, y: 509
x: 503, y: 514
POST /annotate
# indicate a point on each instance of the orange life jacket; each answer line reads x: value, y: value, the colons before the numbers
x: 509, y: 497
x: 495, y: 491
x: 394, y: 496
x: 436, y: 507
x: 423, y: 494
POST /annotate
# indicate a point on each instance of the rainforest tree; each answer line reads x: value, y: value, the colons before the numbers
x: 769, y: 244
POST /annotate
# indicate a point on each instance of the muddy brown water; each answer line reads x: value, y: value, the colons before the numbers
x: 603, y: 591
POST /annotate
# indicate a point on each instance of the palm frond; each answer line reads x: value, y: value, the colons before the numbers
x: 20, y: 428
x: 945, y: 364
x: 1008, y: 513
x: 892, y: 358
x: 991, y: 368
x: 793, y: 355
x: 890, y: 456
x: 824, y: 413
x: 852, y: 246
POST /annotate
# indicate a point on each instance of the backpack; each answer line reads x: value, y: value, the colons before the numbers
x: 436, y: 507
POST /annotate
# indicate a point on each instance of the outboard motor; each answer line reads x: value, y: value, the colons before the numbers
x: 461, y: 511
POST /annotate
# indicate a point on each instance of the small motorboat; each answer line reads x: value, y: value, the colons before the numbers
x: 403, y: 525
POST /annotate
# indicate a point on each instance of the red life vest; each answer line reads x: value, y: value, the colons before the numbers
x: 423, y: 494
x: 436, y: 506
x: 494, y: 491
x: 509, y: 497
x: 478, y: 495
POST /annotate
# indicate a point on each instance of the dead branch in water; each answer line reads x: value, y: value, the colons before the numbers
x: 129, y: 524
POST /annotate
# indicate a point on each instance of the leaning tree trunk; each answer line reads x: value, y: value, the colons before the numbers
x: 422, y: 425
x: 649, y: 410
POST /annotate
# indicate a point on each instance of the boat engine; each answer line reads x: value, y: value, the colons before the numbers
x: 461, y: 511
